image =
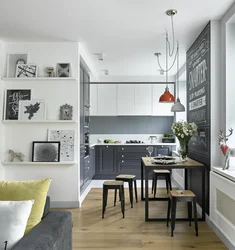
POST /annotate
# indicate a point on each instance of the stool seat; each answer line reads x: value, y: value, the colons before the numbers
x: 113, y: 183
x: 161, y: 171
x: 125, y: 176
x: 182, y: 193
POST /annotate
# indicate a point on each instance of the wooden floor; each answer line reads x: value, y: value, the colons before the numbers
x: 91, y: 232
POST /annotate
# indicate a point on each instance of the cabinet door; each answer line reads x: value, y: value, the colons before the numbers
x: 132, y: 167
x: 82, y: 166
x: 86, y: 80
x: 106, y: 162
x: 161, y: 109
x: 93, y: 99
x: 92, y: 158
x: 126, y: 99
x: 143, y: 99
x: 107, y: 99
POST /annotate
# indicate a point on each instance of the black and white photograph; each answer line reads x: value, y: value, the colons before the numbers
x: 13, y: 60
x: 12, y: 98
x: 66, y: 138
x: 32, y: 110
x: 26, y: 70
x: 63, y: 70
x: 44, y: 151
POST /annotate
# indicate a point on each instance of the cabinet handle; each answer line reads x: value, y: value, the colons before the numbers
x: 107, y: 146
x: 162, y: 146
x: 88, y: 161
x: 122, y: 156
x: 122, y: 161
x: 88, y: 168
x: 122, y: 148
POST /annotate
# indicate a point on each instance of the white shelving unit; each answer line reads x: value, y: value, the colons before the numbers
x: 39, y: 121
x: 34, y: 79
x: 39, y: 163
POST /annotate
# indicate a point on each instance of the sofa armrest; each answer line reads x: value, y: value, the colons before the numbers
x: 54, y: 232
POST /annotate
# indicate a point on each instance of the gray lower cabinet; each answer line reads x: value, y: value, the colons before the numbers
x: 114, y: 160
x: 92, y: 159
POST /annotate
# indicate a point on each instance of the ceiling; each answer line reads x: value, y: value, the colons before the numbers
x: 128, y: 32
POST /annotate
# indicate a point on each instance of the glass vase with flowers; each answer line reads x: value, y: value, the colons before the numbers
x: 184, y: 131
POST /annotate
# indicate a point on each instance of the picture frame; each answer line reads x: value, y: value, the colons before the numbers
x: 11, y: 102
x: 63, y: 70
x: 44, y: 151
x: 13, y: 60
x: 32, y: 110
x: 26, y: 70
x: 66, y: 112
x: 66, y: 138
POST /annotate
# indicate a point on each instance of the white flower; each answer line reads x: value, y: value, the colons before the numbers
x: 182, y: 136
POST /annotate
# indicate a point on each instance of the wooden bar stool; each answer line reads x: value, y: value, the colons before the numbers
x: 166, y: 174
x: 182, y: 195
x: 130, y: 179
x: 117, y: 185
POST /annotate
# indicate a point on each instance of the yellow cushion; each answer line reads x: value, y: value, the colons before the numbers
x: 27, y: 190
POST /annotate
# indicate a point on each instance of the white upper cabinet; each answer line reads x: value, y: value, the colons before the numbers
x: 143, y: 99
x: 107, y: 99
x: 125, y: 99
x: 93, y: 99
x: 161, y: 109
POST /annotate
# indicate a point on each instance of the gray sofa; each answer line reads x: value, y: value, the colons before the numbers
x: 54, y: 232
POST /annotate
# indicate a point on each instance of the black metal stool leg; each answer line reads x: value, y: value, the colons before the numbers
x: 136, y: 196
x: 167, y: 186
x: 189, y: 212
x: 155, y: 185
x: 173, y: 215
x: 195, y: 215
x: 115, y: 197
x: 153, y: 182
x: 121, y: 191
x: 105, y: 196
x: 169, y: 181
x: 131, y: 192
x: 168, y: 212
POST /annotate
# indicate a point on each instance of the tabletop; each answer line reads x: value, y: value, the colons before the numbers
x: 188, y: 163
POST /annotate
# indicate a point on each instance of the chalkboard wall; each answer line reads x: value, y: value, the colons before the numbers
x: 198, y: 70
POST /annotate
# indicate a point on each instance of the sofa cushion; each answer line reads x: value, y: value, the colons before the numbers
x: 27, y: 190
x: 13, y: 220
x: 47, y: 207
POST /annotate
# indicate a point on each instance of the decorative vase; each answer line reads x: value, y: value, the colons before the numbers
x: 183, y: 150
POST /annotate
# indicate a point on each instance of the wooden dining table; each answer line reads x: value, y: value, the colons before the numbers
x: 147, y: 166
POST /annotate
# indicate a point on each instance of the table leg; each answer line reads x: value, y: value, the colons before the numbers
x: 142, y: 180
x: 146, y: 194
x: 186, y: 179
x: 203, y: 194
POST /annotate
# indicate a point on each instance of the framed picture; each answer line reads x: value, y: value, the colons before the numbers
x: 32, y: 110
x: 26, y: 70
x: 12, y: 98
x: 13, y: 60
x: 44, y: 151
x: 66, y: 112
x: 66, y: 138
x: 63, y: 70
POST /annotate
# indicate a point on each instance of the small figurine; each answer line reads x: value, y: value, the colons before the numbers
x: 66, y: 112
x: 227, y: 151
x: 14, y: 155
x: 50, y: 72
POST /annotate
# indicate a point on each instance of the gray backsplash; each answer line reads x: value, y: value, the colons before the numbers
x: 130, y: 124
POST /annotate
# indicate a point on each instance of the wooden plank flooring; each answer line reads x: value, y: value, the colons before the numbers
x: 91, y: 232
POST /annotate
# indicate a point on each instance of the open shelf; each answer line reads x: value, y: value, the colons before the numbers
x: 39, y: 163
x: 39, y: 121
x: 40, y: 79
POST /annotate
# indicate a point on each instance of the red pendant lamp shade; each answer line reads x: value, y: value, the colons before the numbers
x: 167, y: 96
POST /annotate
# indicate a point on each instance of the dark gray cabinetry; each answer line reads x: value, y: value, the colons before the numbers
x: 114, y: 160
x: 92, y: 158
x: 86, y: 92
x: 82, y: 172
x: 105, y: 162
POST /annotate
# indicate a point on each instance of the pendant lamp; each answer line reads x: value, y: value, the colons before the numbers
x: 167, y: 96
x: 177, y: 107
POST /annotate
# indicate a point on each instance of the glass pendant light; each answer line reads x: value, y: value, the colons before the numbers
x: 177, y: 107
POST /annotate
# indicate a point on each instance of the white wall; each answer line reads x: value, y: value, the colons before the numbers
x: 230, y: 86
x: 2, y: 137
x: 136, y: 78
x: 65, y: 179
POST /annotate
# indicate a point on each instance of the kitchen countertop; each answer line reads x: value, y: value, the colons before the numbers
x: 132, y: 144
